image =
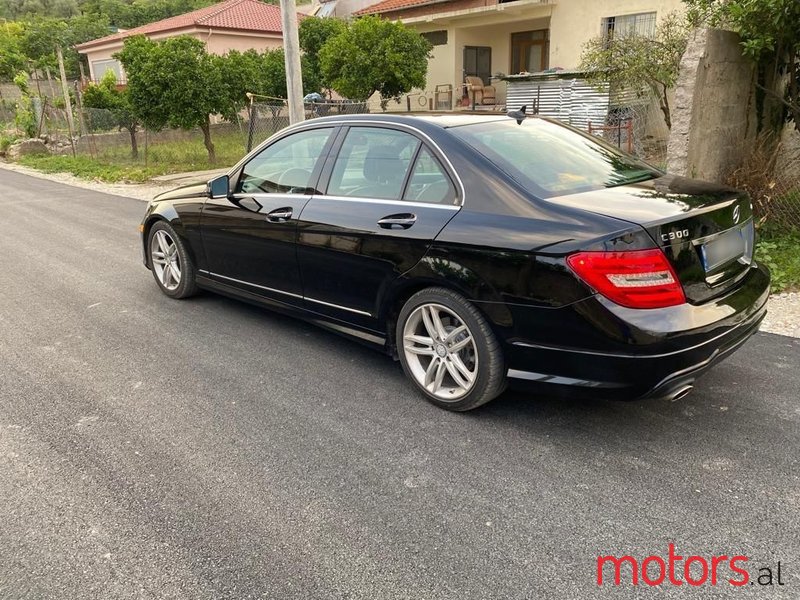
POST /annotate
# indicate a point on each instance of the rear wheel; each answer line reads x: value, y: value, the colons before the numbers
x: 170, y: 262
x: 449, y: 351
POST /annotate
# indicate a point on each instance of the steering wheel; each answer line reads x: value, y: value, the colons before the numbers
x: 291, y: 177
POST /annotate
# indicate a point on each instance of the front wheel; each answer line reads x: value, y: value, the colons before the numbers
x: 170, y: 262
x: 449, y: 351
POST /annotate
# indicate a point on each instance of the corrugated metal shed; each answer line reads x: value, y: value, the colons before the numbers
x: 563, y: 95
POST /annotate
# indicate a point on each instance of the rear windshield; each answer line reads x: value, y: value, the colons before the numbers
x: 553, y: 160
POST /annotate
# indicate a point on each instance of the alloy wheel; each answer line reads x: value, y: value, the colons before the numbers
x: 440, y: 351
x: 166, y: 260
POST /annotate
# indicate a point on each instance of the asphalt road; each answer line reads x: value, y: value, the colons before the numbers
x: 152, y: 448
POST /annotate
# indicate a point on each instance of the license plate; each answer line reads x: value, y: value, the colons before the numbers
x: 725, y: 248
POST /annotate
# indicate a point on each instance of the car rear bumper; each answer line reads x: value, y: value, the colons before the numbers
x: 648, y: 353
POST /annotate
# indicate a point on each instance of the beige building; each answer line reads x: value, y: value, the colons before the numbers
x: 230, y: 25
x: 484, y: 38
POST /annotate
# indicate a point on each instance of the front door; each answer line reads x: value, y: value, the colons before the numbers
x: 249, y: 238
x: 386, y: 198
x: 478, y: 62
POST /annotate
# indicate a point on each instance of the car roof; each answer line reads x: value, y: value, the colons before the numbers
x: 442, y: 120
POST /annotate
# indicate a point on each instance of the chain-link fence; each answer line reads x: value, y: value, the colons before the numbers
x: 108, y: 137
x: 770, y: 173
x: 269, y: 115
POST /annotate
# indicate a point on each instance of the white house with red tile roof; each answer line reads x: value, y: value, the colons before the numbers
x: 230, y: 25
x: 481, y: 38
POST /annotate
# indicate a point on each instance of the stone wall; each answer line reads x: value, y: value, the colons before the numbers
x: 714, y: 115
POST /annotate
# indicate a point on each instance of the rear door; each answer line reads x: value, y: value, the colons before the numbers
x: 386, y: 197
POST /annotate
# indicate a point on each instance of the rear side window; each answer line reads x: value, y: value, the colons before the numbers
x: 373, y: 163
x: 553, y: 160
x: 429, y: 182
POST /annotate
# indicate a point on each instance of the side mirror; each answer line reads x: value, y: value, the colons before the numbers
x: 219, y: 187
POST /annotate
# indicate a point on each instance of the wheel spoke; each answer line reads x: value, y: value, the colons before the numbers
x: 469, y: 376
x: 163, y: 243
x: 430, y: 372
x: 461, y: 344
x: 456, y: 375
x: 433, y: 323
x: 159, y: 260
x: 441, y: 369
x: 455, y: 333
x: 419, y: 344
x: 428, y: 322
x: 175, y: 267
x: 165, y: 275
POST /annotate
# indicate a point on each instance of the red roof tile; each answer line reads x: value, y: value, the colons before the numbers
x: 389, y: 6
x: 244, y: 15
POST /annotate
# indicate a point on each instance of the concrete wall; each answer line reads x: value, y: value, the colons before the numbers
x: 714, y: 115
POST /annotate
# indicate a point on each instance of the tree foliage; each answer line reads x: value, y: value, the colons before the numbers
x: 770, y: 31
x: 107, y: 96
x: 41, y: 36
x: 314, y: 32
x: 263, y: 74
x: 375, y: 55
x: 639, y: 62
x: 119, y: 13
x: 174, y: 83
x: 12, y: 58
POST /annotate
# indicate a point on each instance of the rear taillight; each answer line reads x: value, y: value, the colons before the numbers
x: 636, y: 279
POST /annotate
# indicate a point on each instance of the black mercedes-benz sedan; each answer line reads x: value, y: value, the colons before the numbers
x: 480, y: 250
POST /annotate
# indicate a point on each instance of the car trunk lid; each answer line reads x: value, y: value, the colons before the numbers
x: 705, y: 230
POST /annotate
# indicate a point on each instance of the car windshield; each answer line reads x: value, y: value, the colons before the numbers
x: 552, y: 160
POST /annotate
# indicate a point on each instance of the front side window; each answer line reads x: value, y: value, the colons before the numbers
x: 552, y: 160
x: 373, y: 163
x: 287, y: 166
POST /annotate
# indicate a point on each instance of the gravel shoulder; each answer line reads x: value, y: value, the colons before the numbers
x: 782, y: 318
x: 139, y: 191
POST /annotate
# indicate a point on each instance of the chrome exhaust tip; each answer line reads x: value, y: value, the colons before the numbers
x: 681, y: 392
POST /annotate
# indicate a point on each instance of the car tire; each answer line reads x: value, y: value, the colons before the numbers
x: 448, y: 350
x: 169, y: 261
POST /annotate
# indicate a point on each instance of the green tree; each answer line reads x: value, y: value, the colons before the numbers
x: 263, y: 74
x: 314, y: 32
x: 174, y: 83
x: 770, y: 31
x: 42, y: 36
x: 106, y: 95
x: 639, y: 62
x: 12, y: 59
x: 375, y: 55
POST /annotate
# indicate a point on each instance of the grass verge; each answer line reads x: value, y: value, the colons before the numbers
x: 780, y: 252
x: 114, y: 164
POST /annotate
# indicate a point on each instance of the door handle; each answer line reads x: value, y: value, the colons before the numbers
x: 403, y: 221
x: 279, y: 215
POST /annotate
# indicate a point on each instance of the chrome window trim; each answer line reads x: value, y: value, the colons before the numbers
x: 293, y: 295
x: 345, y: 122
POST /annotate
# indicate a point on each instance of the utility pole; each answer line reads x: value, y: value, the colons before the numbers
x: 291, y: 52
x: 67, y: 101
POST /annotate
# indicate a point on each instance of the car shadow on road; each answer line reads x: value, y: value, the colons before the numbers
x: 705, y: 412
